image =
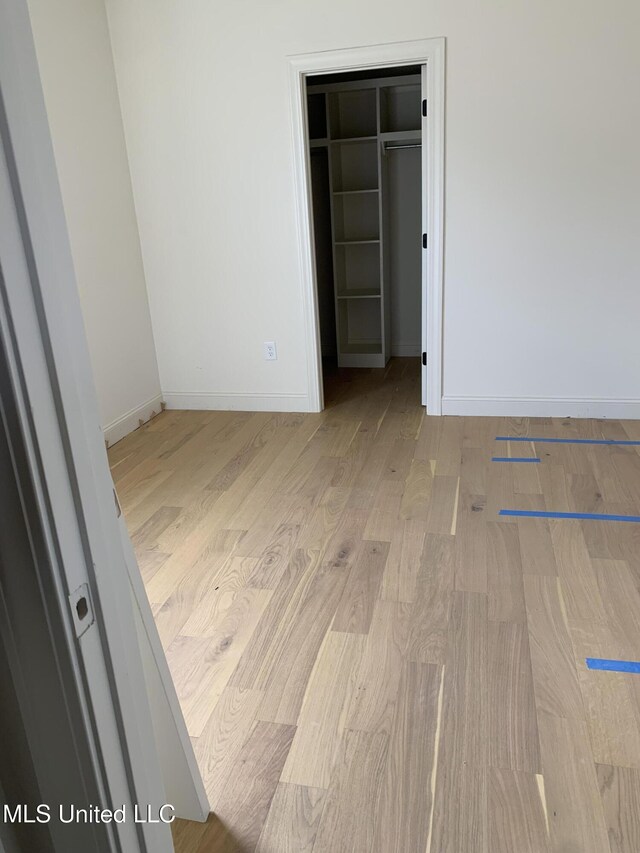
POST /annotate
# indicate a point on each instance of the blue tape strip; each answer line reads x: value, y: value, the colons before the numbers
x: 514, y: 459
x: 594, y: 516
x: 613, y: 665
x: 568, y: 440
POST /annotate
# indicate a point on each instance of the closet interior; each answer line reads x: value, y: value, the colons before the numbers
x: 366, y: 167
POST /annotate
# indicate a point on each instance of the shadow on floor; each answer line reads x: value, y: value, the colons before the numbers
x: 343, y: 385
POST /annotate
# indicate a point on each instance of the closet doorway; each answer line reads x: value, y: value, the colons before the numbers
x: 368, y: 145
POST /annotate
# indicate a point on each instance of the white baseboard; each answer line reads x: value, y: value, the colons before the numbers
x: 130, y: 420
x: 399, y: 350
x: 231, y: 402
x: 542, y: 407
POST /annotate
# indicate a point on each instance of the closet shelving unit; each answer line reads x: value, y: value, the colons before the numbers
x: 356, y: 120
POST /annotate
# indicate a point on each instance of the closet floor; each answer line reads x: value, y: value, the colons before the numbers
x: 369, y: 657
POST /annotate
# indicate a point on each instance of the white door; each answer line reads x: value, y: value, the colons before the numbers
x: 84, y: 553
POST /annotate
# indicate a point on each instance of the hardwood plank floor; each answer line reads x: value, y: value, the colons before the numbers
x: 369, y: 657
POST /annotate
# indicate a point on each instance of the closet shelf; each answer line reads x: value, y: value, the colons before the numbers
x: 361, y: 294
x: 355, y: 242
x: 347, y: 140
x: 355, y: 192
x: 401, y: 136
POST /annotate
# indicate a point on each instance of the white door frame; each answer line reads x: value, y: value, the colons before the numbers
x: 429, y: 52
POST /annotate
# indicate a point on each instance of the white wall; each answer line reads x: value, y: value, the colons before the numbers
x: 542, y: 193
x: 76, y: 65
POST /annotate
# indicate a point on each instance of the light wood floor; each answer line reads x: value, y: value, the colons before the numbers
x: 368, y: 657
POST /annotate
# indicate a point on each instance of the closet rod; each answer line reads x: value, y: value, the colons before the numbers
x: 388, y: 147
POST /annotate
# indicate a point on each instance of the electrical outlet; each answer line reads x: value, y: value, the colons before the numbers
x: 270, y: 351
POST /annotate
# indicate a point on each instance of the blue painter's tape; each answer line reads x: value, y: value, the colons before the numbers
x: 613, y: 665
x: 515, y: 459
x: 568, y: 440
x: 594, y: 516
